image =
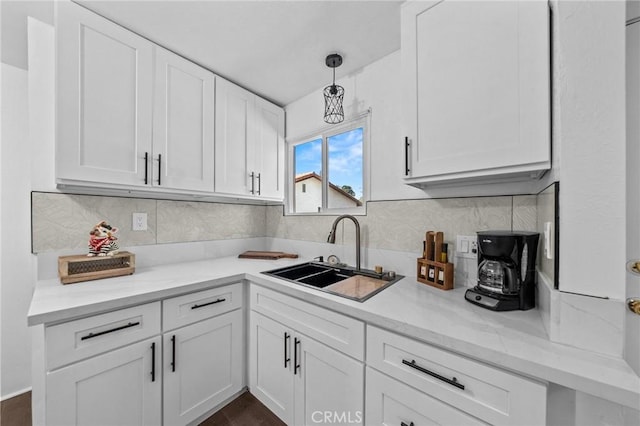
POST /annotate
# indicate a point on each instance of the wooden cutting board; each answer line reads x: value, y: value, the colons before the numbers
x: 271, y: 255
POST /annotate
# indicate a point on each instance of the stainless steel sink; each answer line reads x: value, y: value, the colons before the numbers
x: 333, y: 279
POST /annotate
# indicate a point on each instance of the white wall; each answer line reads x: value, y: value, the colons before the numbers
x: 16, y: 281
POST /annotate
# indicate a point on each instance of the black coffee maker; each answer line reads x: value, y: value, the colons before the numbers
x: 506, y: 271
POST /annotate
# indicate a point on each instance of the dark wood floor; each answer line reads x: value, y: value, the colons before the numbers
x: 245, y: 410
x: 16, y: 411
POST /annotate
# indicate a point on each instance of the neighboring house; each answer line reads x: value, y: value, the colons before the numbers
x: 308, y: 196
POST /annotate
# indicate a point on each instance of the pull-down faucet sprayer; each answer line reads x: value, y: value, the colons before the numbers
x: 331, y: 239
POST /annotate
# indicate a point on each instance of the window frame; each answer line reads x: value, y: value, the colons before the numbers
x: 324, y: 134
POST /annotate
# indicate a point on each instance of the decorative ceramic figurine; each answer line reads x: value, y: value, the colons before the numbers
x: 102, y: 241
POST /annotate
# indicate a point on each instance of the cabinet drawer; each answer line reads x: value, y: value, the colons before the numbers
x: 488, y: 393
x: 187, y: 309
x: 390, y: 402
x: 76, y: 340
x: 335, y: 330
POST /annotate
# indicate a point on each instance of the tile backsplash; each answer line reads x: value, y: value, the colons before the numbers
x: 63, y: 221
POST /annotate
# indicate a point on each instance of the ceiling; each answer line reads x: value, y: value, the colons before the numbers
x: 276, y: 49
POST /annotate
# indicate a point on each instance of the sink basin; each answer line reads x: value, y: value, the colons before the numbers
x: 325, y: 278
x: 347, y: 282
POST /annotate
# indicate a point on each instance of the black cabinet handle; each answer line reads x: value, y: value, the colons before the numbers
x: 406, y: 156
x: 153, y: 362
x: 146, y: 168
x: 404, y: 424
x: 253, y: 175
x: 453, y: 381
x: 112, y: 330
x: 173, y: 353
x: 207, y: 304
x: 286, y: 346
x: 159, y: 169
x: 296, y: 366
x: 259, y: 183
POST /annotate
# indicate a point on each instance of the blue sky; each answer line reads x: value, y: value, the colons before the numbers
x: 345, y: 159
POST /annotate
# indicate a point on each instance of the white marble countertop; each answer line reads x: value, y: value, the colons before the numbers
x: 511, y: 340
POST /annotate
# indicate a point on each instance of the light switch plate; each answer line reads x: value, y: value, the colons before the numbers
x: 467, y: 246
x: 139, y: 222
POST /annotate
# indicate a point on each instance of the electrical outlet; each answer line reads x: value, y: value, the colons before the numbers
x: 467, y: 246
x: 139, y: 222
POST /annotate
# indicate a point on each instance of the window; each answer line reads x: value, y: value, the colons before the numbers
x: 329, y: 171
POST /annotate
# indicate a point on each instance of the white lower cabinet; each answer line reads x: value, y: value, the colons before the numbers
x: 121, y: 387
x: 203, y: 366
x: 117, y: 368
x: 392, y: 403
x: 480, y: 391
x: 303, y: 381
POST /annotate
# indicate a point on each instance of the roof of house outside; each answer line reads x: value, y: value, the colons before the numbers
x: 309, y: 175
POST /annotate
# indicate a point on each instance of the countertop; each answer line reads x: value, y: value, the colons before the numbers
x: 514, y: 340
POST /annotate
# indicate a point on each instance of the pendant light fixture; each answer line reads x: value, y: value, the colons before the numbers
x: 333, y: 95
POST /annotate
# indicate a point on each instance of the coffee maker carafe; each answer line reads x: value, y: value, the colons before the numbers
x: 506, y: 271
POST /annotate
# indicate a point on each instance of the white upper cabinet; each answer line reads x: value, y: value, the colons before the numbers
x: 132, y: 115
x: 477, y: 90
x: 183, y: 124
x: 249, y: 144
x: 104, y: 99
x: 267, y: 156
x: 234, y: 121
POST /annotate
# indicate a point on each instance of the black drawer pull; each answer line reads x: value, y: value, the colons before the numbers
x: 92, y: 335
x: 207, y: 304
x: 146, y: 168
x: 173, y: 353
x: 296, y: 366
x: 404, y: 424
x: 253, y: 179
x: 453, y: 381
x: 159, y: 169
x: 259, y: 183
x: 287, y: 359
x: 153, y: 362
x: 406, y: 156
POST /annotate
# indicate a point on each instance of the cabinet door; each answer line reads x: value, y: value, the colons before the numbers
x: 329, y: 386
x: 104, y: 99
x: 267, y: 154
x: 117, y: 388
x: 203, y: 366
x: 476, y: 88
x: 183, y: 124
x: 234, y: 127
x: 392, y: 403
x: 271, y: 365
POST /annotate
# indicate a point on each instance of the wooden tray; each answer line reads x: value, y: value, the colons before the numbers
x: 272, y: 255
x: 73, y: 269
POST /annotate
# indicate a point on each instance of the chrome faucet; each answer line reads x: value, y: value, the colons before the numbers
x: 331, y: 239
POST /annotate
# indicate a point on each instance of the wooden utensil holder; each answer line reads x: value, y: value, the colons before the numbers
x: 436, y: 274
x: 430, y: 270
x: 73, y: 269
